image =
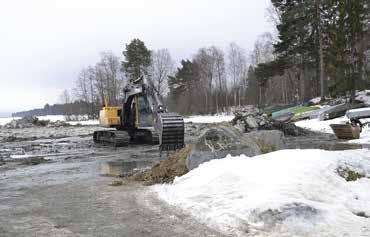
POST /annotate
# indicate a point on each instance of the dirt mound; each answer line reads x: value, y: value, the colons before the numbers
x: 166, y: 170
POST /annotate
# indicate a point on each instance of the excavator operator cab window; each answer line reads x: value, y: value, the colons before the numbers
x: 145, y: 112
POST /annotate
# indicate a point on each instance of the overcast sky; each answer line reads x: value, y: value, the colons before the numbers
x: 44, y: 44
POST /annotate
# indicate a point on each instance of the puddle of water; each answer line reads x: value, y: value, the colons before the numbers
x: 122, y: 167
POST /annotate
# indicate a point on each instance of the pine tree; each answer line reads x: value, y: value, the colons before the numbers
x: 137, y: 59
x: 345, y: 57
x: 183, y: 87
x: 298, y: 43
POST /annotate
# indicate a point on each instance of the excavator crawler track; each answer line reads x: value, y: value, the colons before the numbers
x: 171, y: 134
x: 112, y: 138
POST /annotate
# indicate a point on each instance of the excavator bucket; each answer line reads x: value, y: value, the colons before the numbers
x: 171, y: 131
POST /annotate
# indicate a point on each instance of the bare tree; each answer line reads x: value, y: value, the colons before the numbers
x: 205, y: 62
x: 81, y: 90
x: 263, y: 50
x: 65, y: 97
x: 220, y: 77
x: 109, y: 70
x: 237, y: 70
x: 162, y: 66
x: 273, y: 16
x: 66, y: 100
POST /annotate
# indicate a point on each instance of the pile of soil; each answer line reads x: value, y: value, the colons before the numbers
x: 166, y: 170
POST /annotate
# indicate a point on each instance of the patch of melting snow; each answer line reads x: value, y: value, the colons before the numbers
x: 209, y: 118
x: 284, y: 193
x: 321, y: 126
x: 25, y: 156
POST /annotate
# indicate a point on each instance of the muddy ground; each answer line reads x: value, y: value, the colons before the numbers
x: 50, y: 185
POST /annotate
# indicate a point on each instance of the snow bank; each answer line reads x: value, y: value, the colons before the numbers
x: 285, y: 193
x: 209, y: 119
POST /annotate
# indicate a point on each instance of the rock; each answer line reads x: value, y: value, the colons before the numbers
x: 268, y: 140
x: 217, y: 142
x: 2, y: 162
x: 250, y: 118
x: 251, y: 122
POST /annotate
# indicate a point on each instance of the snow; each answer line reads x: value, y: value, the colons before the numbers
x: 54, y: 118
x: 284, y: 193
x: 364, y: 96
x: 324, y: 126
x: 364, y: 137
x: 84, y: 123
x: 316, y: 100
x: 209, y: 118
x: 4, y: 121
x: 321, y: 126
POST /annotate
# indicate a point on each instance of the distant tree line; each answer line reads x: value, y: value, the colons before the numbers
x: 73, y: 108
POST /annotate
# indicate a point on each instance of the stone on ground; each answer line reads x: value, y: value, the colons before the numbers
x: 217, y: 142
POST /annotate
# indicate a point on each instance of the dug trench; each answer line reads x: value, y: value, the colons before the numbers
x: 61, y: 192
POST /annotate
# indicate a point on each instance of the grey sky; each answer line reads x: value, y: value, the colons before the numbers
x: 45, y: 43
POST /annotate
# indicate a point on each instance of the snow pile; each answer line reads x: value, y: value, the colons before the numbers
x: 209, y: 118
x: 285, y: 193
x: 321, y: 126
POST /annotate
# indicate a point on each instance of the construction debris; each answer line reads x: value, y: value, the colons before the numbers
x: 250, y: 118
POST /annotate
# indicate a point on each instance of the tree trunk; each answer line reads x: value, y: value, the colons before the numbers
x: 321, y: 51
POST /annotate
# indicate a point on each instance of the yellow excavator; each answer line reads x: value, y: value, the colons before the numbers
x: 142, y: 118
